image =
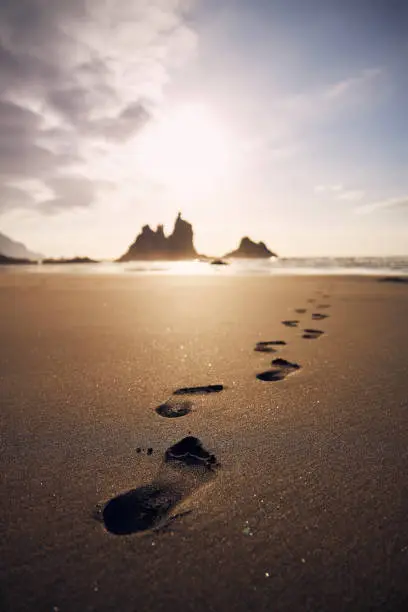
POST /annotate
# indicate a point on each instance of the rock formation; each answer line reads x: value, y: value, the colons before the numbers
x: 181, y: 242
x: 251, y: 250
x: 11, y: 248
x: 72, y: 260
x: 151, y: 244
x: 154, y: 245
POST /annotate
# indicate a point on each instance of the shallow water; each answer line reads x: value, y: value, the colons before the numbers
x: 386, y: 266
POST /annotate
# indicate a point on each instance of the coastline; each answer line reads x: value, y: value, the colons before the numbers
x: 283, y: 266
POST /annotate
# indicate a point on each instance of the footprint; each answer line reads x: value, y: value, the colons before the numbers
x: 173, y: 408
x: 312, y: 334
x: 191, y: 452
x: 322, y: 306
x: 186, y: 466
x: 317, y: 316
x: 149, y: 451
x: 300, y: 310
x: 311, y: 301
x: 281, y: 370
x: 199, y: 390
x: 290, y: 323
x: 266, y: 346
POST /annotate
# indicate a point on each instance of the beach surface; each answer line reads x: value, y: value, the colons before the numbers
x: 304, y: 505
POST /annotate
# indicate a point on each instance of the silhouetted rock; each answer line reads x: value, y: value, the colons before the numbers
x: 17, y: 250
x: 180, y: 242
x: 218, y: 262
x: 151, y: 244
x: 251, y: 250
x: 73, y: 260
x: 14, y: 261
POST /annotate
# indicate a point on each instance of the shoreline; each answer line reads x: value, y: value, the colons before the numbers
x: 190, y: 270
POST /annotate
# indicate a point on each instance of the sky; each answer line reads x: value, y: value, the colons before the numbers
x: 283, y: 120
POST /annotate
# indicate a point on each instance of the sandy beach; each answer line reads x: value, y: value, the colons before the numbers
x: 305, y: 506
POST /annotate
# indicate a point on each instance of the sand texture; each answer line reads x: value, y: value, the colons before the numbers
x: 207, y: 443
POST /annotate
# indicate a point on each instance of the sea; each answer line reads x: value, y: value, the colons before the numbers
x: 383, y: 266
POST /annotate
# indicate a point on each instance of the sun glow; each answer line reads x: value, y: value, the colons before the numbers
x: 189, y: 150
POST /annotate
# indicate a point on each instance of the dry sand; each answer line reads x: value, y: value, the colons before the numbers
x: 308, y: 509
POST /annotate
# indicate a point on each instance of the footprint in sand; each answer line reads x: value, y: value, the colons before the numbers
x: 311, y: 301
x: 290, y: 323
x: 186, y: 466
x: 323, y: 306
x: 267, y: 346
x: 281, y: 370
x: 199, y: 390
x: 174, y: 408
x: 300, y: 310
x: 317, y: 316
x: 312, y: 334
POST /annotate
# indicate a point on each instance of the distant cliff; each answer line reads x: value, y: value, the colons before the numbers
x: 153, y: 244
x: 15, y: 261
x: 11, y: 248
x: 251, y: 250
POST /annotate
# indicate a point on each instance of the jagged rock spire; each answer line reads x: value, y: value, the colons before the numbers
x: 150, y: 244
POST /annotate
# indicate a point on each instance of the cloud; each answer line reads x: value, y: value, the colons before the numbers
x: 389, y: 203
x: 69, y: 192
x: 332, y: 99
x: 355, y: 86
x: 20, y: 154
x: 75, y: 74
x: 352, y: 195
x: 339, y: 192
x: 328, y: 188
x: 121, y: 127
x: 13, y: 197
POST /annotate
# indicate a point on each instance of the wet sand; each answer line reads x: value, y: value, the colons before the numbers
x: 290, y: 492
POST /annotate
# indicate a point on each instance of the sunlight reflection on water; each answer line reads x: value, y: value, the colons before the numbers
x: 281, y: 266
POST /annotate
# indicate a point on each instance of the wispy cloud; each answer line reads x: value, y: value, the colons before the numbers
x: 354, y: 86
x: 328, y: 188
x: 339, y: 192
x: 332, y: 99
x: 366, y: 209
x: 352, y: 195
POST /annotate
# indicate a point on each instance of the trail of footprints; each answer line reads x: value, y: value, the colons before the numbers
x: 187, y: 464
